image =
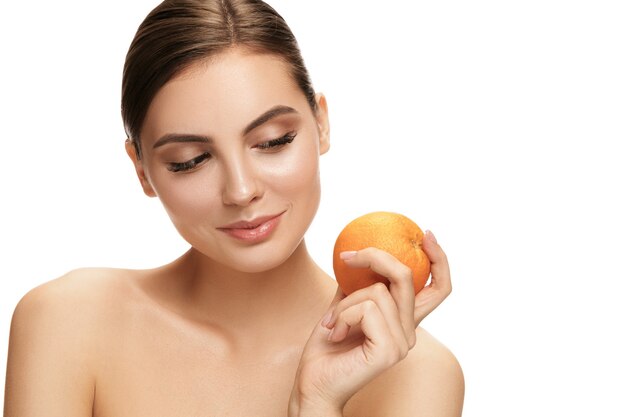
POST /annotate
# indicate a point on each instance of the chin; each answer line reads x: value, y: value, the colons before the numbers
x: 252, y: 259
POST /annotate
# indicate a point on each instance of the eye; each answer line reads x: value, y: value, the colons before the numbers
x: 188, y: 165
x: 277, y: 143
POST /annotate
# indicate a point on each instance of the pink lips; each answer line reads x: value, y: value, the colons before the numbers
x: 253, y: 231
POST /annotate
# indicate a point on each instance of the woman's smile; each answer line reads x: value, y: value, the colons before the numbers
x: 255, y: 230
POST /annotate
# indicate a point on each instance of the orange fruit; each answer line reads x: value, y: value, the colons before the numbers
x: 391, y: 232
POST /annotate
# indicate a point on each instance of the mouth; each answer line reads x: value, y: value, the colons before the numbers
x: 254, y: 230
x: 251, y: 224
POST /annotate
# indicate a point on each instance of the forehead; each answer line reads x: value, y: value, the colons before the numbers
x: 221, y: 95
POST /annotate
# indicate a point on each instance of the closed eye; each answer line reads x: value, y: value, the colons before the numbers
x: 188, y: 165
x: 194, y: 162
x: 275, y: 143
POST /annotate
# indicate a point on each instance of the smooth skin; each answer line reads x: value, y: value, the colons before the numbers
x: 233, y: 327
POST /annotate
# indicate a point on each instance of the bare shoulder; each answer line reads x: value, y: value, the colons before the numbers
x: 428, y: 382
x: 52, y: 344
x: 75, y: 297
x: 68, y: 311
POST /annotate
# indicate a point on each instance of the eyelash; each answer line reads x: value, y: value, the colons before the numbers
x: 192, y: 163
x: 187, y: 165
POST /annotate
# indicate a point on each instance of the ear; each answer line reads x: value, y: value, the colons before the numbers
x: 143, y: 179
x: 323, y: 125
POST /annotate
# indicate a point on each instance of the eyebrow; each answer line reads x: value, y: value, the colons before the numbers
x: 267, y: 116
x: 180, y: 138
x: 264, y: 118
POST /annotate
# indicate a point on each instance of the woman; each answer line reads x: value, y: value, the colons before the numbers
x: 226, y: 130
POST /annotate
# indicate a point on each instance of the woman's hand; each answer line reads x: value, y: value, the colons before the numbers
x: 367, y: 332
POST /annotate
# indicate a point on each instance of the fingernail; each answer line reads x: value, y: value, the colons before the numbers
x: 347, y: 255
x: 327, y: 319
x: 432, y: 236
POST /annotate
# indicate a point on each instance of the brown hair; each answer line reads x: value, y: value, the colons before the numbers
x: 178, y: 33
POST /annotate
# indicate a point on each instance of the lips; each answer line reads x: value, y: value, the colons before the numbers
x: 253, y: 231
x: 251, y: 224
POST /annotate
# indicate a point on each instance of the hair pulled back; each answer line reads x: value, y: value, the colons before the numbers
x: 179, y: 33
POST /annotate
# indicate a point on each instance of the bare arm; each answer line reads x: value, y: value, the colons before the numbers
x: 49, y: 370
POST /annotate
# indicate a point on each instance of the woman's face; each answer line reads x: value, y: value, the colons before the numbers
x: 231, y: 147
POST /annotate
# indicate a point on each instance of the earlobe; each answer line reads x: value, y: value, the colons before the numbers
x: 131, y: 151
x: 323, y: 125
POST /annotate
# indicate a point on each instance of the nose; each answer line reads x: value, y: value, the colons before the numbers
x: 241, y: 185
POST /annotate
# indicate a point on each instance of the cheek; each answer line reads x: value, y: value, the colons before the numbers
x: 188, y: 198
x: 296, y: 174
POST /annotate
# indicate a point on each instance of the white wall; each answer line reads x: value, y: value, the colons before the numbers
x: 494, y: 123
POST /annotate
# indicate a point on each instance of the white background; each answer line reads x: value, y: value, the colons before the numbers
x: 499, y: 125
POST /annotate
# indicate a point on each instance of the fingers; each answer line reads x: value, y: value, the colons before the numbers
x: 411, y: 309
x: 440, y: 283
x: 380, y: 296
x: 381, y: 346
x: 439, y: 267
x: 401, y: 282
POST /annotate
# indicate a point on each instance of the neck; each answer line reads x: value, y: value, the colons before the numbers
x: 281, y: 304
